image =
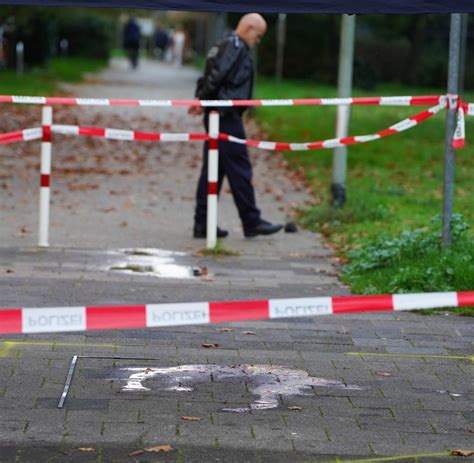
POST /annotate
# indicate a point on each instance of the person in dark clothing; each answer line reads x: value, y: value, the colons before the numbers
x: 162, y: 40
x: 131, y: 41
x: 229, y: 75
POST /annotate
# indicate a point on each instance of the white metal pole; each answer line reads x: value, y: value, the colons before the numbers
x: 47, y: 120
x: 212, y: 179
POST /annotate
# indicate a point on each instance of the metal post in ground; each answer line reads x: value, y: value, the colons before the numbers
x: 212, y: 179
x: 20, y: 58
x: 281, y: 35
x: 339, y: 160
x: 453, y: 88
x: 47, y: 120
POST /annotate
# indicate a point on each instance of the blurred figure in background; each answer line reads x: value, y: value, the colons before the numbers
x: 161, y: 42
x: 179, y: 38
x: 131, y: 41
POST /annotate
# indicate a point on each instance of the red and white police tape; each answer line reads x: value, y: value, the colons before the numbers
x: 401, y: 126
x: 127, y: 135
x: 21, y: 135
x: 421, y: 100
x: 131, y: 135
x: 63, y: 319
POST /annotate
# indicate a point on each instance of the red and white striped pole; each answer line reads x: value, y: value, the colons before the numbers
x: 47, y: 120
x: 212, y: 179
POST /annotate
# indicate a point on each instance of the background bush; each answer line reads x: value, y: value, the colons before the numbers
x: 402, y: 49
x: 89, y: 33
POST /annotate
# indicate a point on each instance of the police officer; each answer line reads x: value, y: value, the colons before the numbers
x: 229, y: 75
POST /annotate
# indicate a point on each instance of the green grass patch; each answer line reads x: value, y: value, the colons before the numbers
x: 394, y: 185
x: 44, y: 81
x: 219, y: 251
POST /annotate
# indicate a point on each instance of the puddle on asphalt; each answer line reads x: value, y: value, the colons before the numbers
x: 148, y: 261
x: 266, y: 383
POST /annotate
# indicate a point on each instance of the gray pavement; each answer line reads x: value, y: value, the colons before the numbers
x: 365, y: 387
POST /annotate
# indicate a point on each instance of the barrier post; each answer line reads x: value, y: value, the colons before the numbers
x: 212, y: 179
x: 46, y: 122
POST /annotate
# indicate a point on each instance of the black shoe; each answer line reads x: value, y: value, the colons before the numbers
x: 262, y: 228
x: 200, y: 231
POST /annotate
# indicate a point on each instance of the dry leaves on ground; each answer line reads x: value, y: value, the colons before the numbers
x: 224, y: 330
x: 200, y: 271
x: 86, y: 449
x: 210, y: 345
x: 462, y: 453
x: 295, y: 408
x: 191, y: 418
x: 248, y: 333
x: 156, y: 448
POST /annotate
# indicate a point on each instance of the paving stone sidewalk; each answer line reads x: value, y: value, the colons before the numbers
x: 360, y: 387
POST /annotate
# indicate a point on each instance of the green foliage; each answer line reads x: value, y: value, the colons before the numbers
x: 43, y: 81
x: 89, y: 35
x: 393, y: 185
x: 414, y: 261
x: 41, y: 29
x: 403, y: 49
x: 219, y: 251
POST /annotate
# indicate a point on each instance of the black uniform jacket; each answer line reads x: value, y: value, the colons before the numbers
x: 229, y: 72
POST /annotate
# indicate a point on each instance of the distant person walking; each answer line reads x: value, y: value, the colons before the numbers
x: 179, y: 39
x: 162, y: 41
x: 131, y: 41
x: 229, y: 75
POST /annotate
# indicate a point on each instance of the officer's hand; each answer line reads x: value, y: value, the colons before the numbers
x: 195, y: 110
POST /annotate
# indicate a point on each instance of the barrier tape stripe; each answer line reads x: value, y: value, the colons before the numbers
x: 130, y: 135
x: 459, y: 136
x: 401, y: 126
x: 35, y: 133
x: 65, y: 319
x: 423, y: 100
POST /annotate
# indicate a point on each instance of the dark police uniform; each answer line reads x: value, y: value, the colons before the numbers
x: 229, y: 75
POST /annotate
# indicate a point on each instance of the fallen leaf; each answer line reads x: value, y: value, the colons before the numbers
x: 250, y: 333
x: 108, y: 209
x: 210, y: 345
x: 224, y: 330
x: 200, y: 271
x: 136, y: 453
x: 82, y: 186
x: 86, y: 449
x: 159, y: 448
x: 383, y: 373
x: 295, y: 408
x: 191, y: 418
x: 462, y: 453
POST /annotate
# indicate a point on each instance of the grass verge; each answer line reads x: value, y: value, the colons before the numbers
x: 394, y: 189
x: 44, y: 81
x: 219, y: 251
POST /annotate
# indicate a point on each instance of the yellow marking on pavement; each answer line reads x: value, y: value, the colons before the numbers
x: 7, y: 346
x: 394, y: 458
x: 393, y: 354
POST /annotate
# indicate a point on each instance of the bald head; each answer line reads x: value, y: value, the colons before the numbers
x: 251, y: 28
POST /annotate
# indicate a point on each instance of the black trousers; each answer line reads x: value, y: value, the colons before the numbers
x: 234, y: 163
